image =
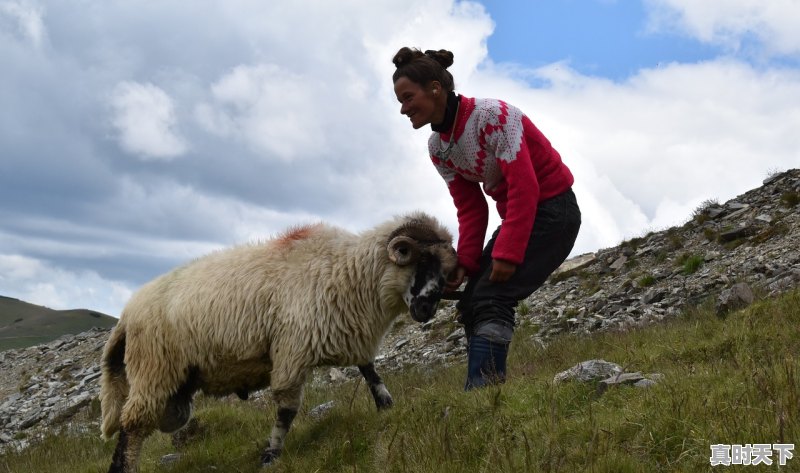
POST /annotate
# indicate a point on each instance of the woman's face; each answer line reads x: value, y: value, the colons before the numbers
x: 422, y: 105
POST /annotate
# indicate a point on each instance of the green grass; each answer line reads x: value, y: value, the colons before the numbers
x: 790, y: 198
x: 690, y: 263
x: 647, y: 280
x: 733, y: 381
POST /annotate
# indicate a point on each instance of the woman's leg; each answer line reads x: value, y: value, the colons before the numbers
x: 487, y: 308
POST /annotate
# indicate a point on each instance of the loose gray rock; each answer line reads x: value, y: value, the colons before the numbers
x: 737, y: 297
x: 619, y: 379
x: 170, y: 459
x: 588, y: 371
x: 321, y: 410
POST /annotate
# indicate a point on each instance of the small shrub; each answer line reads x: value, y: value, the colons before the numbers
x: 773, y: 173
x: 710, y: 234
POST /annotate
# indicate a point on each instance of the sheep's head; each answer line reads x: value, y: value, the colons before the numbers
x: 425, y: 247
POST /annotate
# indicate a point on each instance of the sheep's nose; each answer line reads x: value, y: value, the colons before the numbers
x: 425, y: 308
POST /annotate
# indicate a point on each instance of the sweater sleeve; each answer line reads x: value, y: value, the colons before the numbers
x: 521, y: 191
x: 473, y: 217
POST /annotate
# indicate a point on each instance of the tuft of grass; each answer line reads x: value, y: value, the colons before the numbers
x: 778, y: 229
x: 675, y: 239
x: 790, y: 198
x: 523, y: 308
x: 647, y: 280
x: 733, y: 381
x: 690, y: 263
x: 700, y: 214
x: 633, y: 243
x: 590, y: 283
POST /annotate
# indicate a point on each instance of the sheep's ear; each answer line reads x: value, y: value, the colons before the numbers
x: 403, y: 250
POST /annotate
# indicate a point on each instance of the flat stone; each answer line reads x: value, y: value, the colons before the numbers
x: 644, y: 383
x: 576, y: 263
x: 321, y: 410
x: 734, y: 234
x: 588, y: 371
x: 619, y: 263
x: 170, y: 459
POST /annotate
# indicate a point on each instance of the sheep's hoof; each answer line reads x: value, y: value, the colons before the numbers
x: 269, y: 456
x: 384, y: 402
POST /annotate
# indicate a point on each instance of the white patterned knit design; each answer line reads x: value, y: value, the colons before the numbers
x: 493, y: 132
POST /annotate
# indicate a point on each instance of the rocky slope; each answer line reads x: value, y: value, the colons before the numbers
x: 724, y: 253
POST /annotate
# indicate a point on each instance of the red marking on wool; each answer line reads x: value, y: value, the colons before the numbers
x: 295, y: 234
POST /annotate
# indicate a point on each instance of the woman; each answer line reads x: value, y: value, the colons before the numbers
x: 489, y: 142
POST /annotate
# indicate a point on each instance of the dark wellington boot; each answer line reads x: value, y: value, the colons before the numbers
x: 486, y: 362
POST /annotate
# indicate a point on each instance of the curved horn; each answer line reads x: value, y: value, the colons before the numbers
x: 403, y: 250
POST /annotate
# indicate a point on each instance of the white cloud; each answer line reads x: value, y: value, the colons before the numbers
x: 201, y: 222
x: 144, y: 116
x: 268, y: 107
x: 732, y: 22
x: 28, y: 18
x: 33, y: 280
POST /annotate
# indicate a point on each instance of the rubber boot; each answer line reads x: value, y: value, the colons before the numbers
x: 486, y: 362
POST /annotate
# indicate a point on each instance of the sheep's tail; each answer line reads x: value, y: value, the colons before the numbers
x: 113, y: 383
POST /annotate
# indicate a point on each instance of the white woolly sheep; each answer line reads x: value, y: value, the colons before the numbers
x: 265, y: 314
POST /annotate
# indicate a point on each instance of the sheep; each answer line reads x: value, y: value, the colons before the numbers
x: 265, y: 314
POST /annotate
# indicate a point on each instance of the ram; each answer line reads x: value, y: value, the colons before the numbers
x: 266, y: 314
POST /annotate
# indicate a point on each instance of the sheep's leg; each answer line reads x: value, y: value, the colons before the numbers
x: 126, y: 454
x: 178, y: 410
x: 383, y: 400
x: 288, y: 401
x: 139, y: 418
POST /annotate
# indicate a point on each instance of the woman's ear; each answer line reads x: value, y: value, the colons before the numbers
x: 436, y: 88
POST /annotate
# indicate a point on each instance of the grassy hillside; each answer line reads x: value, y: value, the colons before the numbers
x: 732, y: 381
x: 23, y: 324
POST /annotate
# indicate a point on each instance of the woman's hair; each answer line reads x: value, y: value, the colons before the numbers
x: 423, y: 68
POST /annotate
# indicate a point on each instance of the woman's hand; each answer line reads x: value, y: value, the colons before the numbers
x: 456, y: 279
x: 502, y: 270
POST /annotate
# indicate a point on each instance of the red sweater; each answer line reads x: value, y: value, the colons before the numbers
x: 497, y: 145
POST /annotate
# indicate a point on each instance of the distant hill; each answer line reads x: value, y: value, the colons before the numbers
x: 23, y: 324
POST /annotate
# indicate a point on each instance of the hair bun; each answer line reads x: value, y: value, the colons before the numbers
x: 442, y: 56
x: 405, y: 55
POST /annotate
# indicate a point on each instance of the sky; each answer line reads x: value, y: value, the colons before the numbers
x: 136, y: 135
